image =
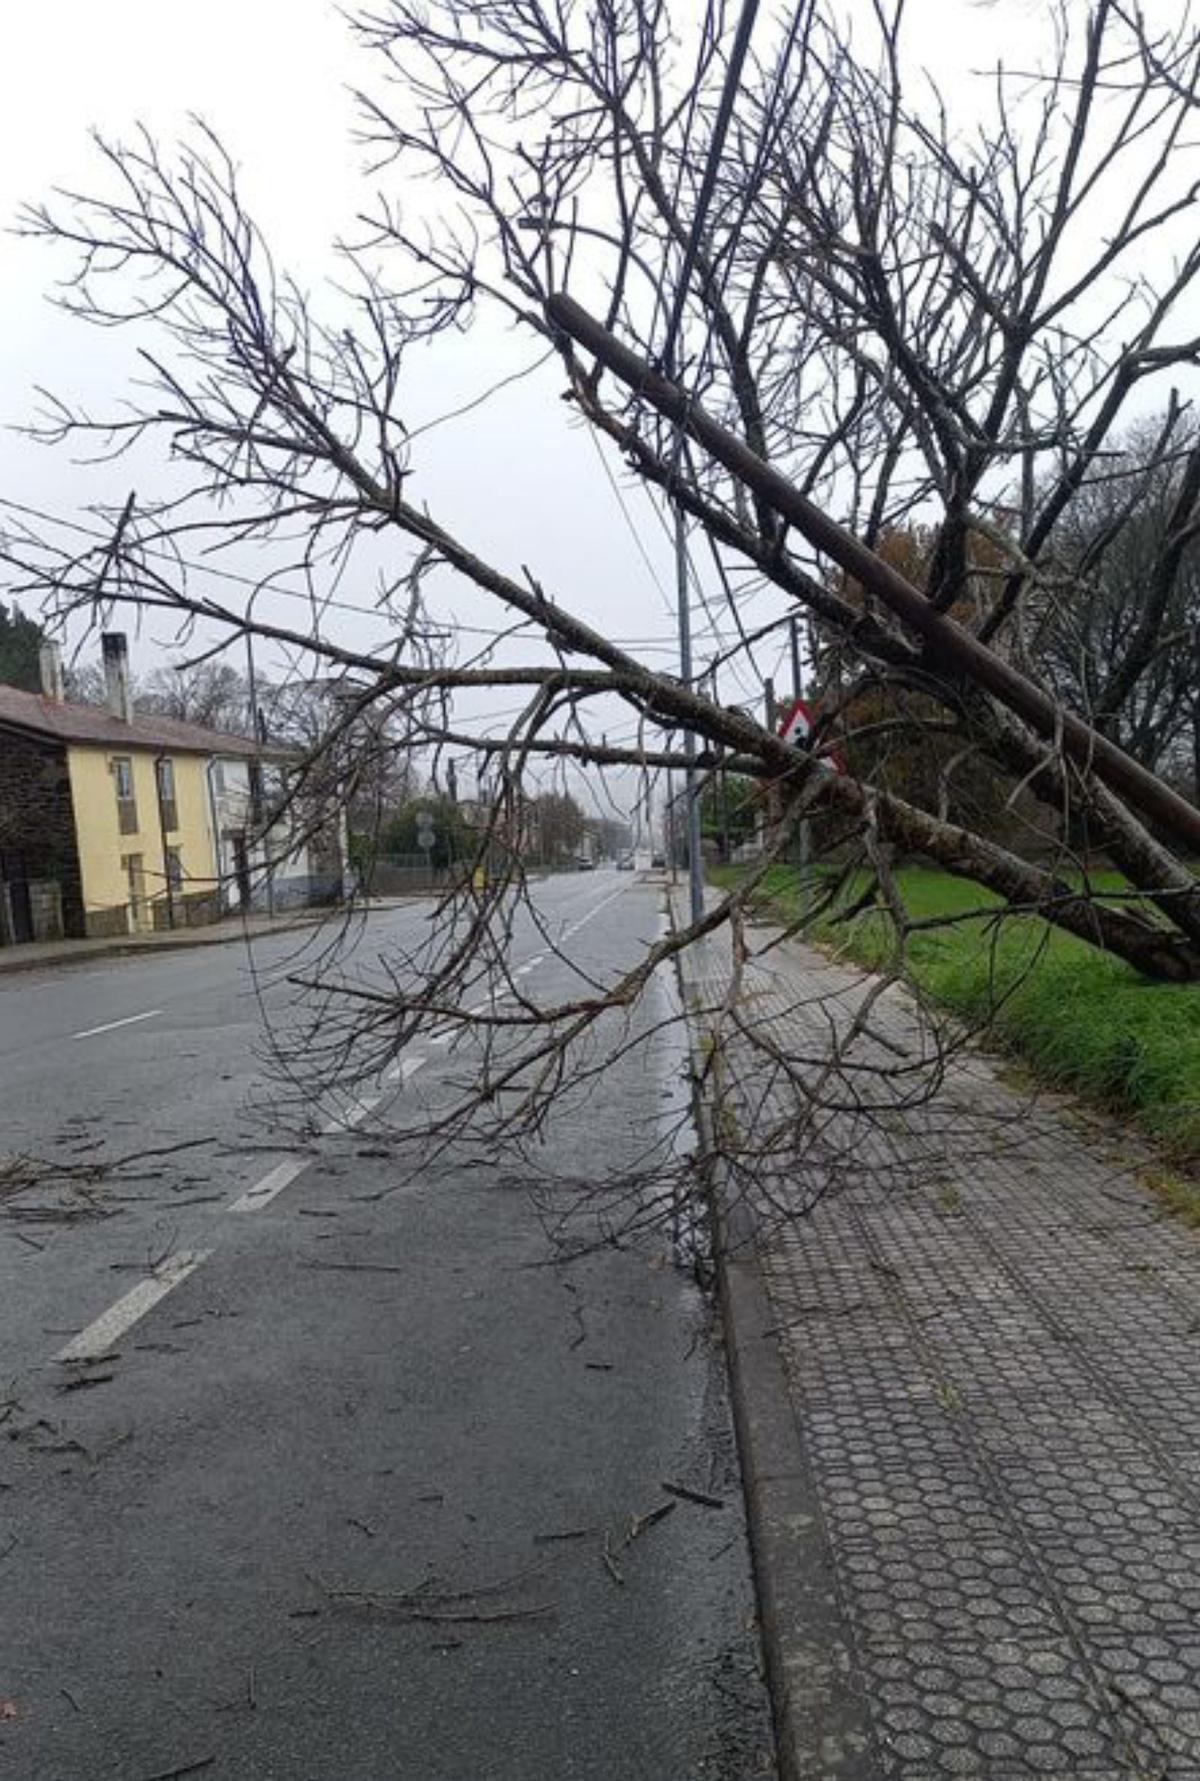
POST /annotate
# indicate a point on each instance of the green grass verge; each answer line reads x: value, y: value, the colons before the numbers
x: 1080, y: 1018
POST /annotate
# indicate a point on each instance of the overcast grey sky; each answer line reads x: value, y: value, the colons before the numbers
x: 519, y: 482
x: 271, y: 76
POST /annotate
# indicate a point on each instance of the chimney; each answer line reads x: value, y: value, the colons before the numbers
x: 51, y: 667
x: 116, y: 673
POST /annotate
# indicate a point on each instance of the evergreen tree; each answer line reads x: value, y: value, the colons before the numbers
x: 20, y: 639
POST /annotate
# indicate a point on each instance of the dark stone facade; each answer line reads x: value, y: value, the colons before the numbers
x: 37, y: 827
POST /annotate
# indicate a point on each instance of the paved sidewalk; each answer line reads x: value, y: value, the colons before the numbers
x: 975, y: 1476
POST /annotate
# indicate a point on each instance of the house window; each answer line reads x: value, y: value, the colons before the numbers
x: 164, y: 770
x: 127, y: 816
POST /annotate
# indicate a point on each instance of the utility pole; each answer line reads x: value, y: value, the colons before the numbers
x: 695, y: 861
x: 802, y: 830
x: 722, y: 786
x: 770, y: 720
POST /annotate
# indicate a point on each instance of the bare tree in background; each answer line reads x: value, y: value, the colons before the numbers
x: 1118, y: 633
x: 212, y: 694
x: 801, y: 301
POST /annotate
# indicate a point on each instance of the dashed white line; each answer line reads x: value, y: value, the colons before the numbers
x: 354, y: 1115
x: 112, y: 1324
x: 264, y: 1191
x: 404, y: 1069
x: 110, y: 1026
x: 593, y: 912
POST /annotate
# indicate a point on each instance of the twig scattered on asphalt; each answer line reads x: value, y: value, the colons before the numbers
x: 67, y: 1695
x: 180, y: 1769
x: 610, y: 1564
x: 638, y: 1524
x: 113, y: 1446
x: 12, y: 1541
x: 439, y: 1607
x: 598, y: 1366
x: 251, y: 1688
x: 577, y: 1313
x: 693, y: 1496
x: 569, y: 1533
x: 478, y: 1616
x: 366, y: 1527
x: 85, y: 1381
x: 356, y: 1267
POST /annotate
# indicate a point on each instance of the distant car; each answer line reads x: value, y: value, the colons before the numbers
x: 625, y: 863
x: 658, y: 859
x: 585, y: 863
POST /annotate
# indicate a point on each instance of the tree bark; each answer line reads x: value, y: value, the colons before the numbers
x: 1154, y: 951
x: 949, y: 644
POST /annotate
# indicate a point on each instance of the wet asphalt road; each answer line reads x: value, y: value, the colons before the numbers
x: 320, y: 1519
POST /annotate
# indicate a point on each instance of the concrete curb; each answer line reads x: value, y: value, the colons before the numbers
x: 822, y: 1729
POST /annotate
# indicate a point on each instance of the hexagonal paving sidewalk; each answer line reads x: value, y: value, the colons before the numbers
x: 991, y: 1337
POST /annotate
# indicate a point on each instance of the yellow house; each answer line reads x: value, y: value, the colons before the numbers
x: 106, y: 818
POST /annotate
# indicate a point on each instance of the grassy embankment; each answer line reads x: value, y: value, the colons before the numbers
x: 1079, y: 1018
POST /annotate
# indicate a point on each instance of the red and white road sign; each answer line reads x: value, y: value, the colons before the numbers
x: 799, y: 722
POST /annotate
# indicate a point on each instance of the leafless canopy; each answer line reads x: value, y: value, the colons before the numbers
x: 882, y: 349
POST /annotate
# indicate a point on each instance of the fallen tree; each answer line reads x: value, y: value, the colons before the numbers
x: 803, y: 310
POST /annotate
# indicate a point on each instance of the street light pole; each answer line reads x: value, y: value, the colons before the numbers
x: 695, y: 862
x: 802, y: 829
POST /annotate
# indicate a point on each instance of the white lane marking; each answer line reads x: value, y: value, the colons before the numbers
x: 594, y: 911
x: 403, y: 1069
x: 444, y: 1036
x: 495, y: 1000
x: 354, y: 1115
x: 110, y: 1026
x: 264, y: 1191
x: 112, y: 1324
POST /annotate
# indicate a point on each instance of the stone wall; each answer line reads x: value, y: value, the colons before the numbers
x: 37, y: 828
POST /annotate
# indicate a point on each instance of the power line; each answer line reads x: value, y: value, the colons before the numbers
x: 264, y: 587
